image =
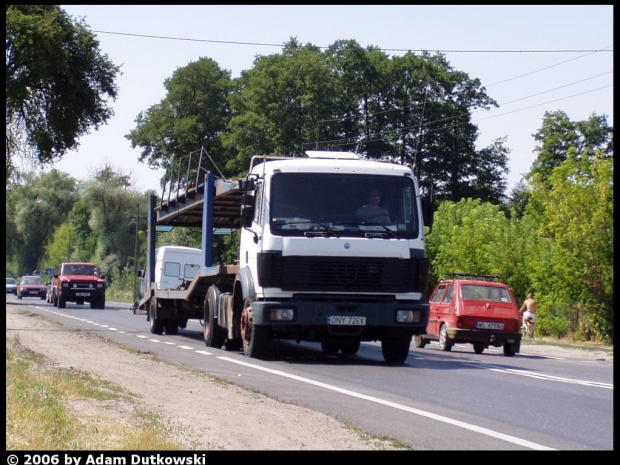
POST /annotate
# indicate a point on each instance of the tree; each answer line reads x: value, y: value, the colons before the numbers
x: 57, y: 84
x: 558, y: 133
x: 35, y: 208
x: 281, y: 101
x: 114, y: 209
x: 573, y: 272
x: 469, y: 236
x: 194, y: 114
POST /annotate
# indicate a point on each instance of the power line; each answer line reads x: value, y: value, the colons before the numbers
x: 262, y: 44
x: 343, y: 141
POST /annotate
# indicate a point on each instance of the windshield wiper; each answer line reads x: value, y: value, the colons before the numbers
x: 370, y: 223
x: 314, y: 223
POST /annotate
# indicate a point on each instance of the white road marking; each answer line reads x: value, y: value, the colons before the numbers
x: 433, y: 416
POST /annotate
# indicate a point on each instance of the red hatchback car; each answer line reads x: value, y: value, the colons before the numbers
x: 474, y: 309
x: 31, y: 286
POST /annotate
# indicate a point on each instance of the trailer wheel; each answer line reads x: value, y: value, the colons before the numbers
x: 255, y: 338
x: 157, y: 326
x: 396, y: 350
x: 214, y: 335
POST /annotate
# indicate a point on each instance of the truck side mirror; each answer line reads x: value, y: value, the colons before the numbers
x: 247, y: 211
x: 428, y: 212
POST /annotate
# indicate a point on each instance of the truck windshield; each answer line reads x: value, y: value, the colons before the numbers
x: 317, y: 204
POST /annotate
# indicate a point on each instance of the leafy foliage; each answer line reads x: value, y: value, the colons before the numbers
x: 57, y: 83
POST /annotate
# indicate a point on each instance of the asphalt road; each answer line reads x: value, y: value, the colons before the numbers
x: 437, y: 400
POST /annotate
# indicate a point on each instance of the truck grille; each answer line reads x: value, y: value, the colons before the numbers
x: 351, y: 274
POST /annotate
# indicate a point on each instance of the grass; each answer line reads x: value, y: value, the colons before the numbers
x: 61, y: 409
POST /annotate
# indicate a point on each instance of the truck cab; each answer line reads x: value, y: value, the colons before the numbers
x: 321, y: 271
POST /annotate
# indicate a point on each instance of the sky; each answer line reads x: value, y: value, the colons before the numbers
x: 531, y: 59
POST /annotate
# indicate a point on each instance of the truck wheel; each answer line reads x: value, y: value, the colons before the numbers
x: 349, y: 347
x: 479, y: 348
x: 255, y: 338
x: 157, y: 326
x: 172, y: 327
x: 233, y: 344
x: 444, y: 343
x: 509, y: 350
x: 330, y: 347
x: 214, y: 335
x: 62, y: 301
x: 396, y: 350
x: 419, y: 341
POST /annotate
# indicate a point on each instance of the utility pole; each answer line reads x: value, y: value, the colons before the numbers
x: 135, y: 255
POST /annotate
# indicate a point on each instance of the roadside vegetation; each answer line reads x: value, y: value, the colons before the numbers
x: 552, y: 235
x: 60, y: 409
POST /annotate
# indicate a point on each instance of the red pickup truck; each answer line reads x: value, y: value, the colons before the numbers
x: 78, y: 282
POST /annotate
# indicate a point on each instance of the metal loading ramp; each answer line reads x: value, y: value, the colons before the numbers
x: 185, y: 208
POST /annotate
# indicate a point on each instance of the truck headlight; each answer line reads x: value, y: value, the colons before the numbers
x: 407, y: 316
x: 281, y: 314
x: 65, y: 285
x: 99, y: 286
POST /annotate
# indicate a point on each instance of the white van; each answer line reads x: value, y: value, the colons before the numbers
x: 174, y: 264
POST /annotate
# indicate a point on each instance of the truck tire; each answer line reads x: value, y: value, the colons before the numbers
x: 157, y: 326
x: 255, y: 338
x: 419, y: 341
x: 396, y: 350
x: 445, y: 344
x: 349, y: 347
x: 479, y: 348
x: 330, y: 347
x: 172, y: 327
x: 62, y: 301
x: 214, y: 335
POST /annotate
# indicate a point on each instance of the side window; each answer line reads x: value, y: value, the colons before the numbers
x: 436, y: 297
x: 448, y: 297
x: 189, y: 271
x: 172, y: 269
x: 258, y: 205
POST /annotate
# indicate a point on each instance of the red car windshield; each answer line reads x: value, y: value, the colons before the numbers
x: 32, y: 280
x: 87, y: 270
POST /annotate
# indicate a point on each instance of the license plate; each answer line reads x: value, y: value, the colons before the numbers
x: 82, y: 294
x: 487, y: 325
x: 347, y: 320
x: 34, y: 292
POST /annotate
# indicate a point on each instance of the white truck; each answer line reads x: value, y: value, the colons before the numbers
x: 313, y: 265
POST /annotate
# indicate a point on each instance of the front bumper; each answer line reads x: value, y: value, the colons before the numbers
x: 86, y: 295
x: 488, y: 338
x: 380, y: 316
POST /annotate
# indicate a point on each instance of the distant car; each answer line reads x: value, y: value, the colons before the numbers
x: 31, y: 286
x: 11, y: 286
x: 475, y: 309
